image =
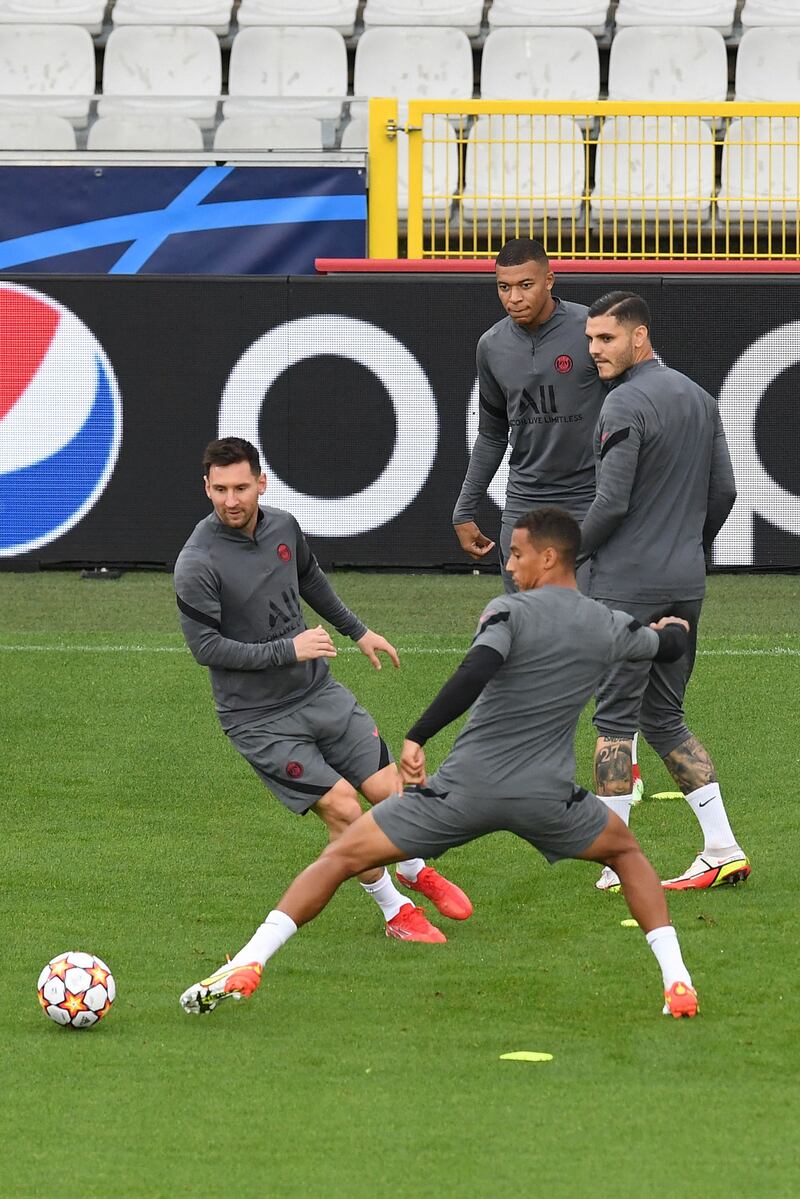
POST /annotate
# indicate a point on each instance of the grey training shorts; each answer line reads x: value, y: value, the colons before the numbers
x: 300, y: 757
x: 424, y: 822
x: 649, y: 695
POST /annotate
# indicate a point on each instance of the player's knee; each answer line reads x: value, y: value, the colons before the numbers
x: 339, y: 808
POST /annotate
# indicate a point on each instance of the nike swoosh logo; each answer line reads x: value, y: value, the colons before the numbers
x: 707, y: 801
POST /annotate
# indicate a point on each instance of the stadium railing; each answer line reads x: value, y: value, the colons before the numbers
x: 600, y: 180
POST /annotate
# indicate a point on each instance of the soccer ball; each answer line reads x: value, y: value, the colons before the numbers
x: 76, y: 989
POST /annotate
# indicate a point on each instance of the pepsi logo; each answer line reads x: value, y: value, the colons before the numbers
x: 60, y: 420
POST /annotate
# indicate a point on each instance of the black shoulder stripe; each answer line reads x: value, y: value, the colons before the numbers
x: 194, y: 614
x: 495, y: 618
x: 634, y: 625
x: 614, y: 439
x: 492, y: 408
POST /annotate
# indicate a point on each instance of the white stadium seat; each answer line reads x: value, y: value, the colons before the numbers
x: 770, y: 12
x: 213, y: 14
x: 35, y: 131
x: 287, y: 69
x: 268, y: 133
x: 47, y: 67
x: 144, y: 131
x: 166, y: 68
x: 457, y: 14
x: 337, y: 14
x: 588, y: 13
x: 768, y: 65
x: 760, y: 174
x: 523, y: 167
x: 653, y: 169
x: 540, y: 64
x: 716, y: 14
x: 668, y: 62
x: 413, y: 63
x: 439, y: 164
x: 88, y: 13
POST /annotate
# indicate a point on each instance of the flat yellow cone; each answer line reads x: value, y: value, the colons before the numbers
x: 629, y: 923
x: 524, y: 1055
x: 667, y: 795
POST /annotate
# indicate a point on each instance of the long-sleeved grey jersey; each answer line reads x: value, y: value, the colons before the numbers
x: 540, y: 393
x: 664, y: 488
x: 556, y: 644
x: 239, y: 604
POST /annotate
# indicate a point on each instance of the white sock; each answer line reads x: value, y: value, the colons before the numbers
x: 621, y: 804
x: 266, y: 940
x: 386, y: 895
x: 664, y: 944
x: 706, y: 803
x: 410, y: 868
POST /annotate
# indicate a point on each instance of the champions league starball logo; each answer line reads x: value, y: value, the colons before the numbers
x: 60, y: 420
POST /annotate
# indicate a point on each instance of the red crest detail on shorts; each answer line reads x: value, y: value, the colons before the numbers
x: 284, y: 553
x: 375, y: 732
x: 563, y: 364
x: 294, y: 770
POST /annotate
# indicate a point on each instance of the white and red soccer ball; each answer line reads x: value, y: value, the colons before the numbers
x: 76, y: 989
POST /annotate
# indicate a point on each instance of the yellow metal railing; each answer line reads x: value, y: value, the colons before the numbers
x: 602, y: 180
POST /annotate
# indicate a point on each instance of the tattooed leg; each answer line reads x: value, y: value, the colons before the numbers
x: 690, y: 765
x: 613, y: 767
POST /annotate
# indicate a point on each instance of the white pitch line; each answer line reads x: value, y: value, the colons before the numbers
x: 775, y: 651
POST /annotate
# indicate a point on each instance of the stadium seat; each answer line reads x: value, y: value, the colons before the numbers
x: 653, y: 169
x: 668, y: 62
x: 162, y: 68
x: 540, y: 64
x: 457, y: 14
x: 144, y: 131
x: 591, y: 14
x: 760, y: 173
x: 439, y: 164
x: 412, y: 63
x: 88, y: 13
x: 337, y: 14
x: 35, y: 131
x: 767, y: 65
x: 213, y: 14
x: 523, y: 168
x: 287, y: 69
x: 770, y: 12
x: 47, y: 67
x: 268, y: 133
x: 715, y: 14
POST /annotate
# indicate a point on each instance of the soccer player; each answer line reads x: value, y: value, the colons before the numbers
x: 239, y: 580
x: 664, y: 489
x: 540, y: 392
x: 534, y: 662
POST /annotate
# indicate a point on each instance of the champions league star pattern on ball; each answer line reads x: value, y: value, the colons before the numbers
x: 60, y: 420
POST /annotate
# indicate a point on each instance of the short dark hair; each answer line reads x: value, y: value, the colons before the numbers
x: 626, y: 306
x: 520, y: 250
x: 227, y: 451
x: 549, y: 525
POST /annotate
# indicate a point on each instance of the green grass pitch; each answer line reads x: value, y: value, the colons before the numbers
x: 363, y: 1066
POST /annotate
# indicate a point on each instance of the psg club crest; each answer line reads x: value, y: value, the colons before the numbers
x: 294, y: 770
x: 60, y: 420
x: 563, y: 364
x: 284, y: 553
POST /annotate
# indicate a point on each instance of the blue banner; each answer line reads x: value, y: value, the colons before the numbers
x: 181, y: 220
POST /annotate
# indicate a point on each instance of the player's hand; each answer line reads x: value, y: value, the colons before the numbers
x: 373, y: 644
x: 412, y: 764
x: 472, y: 540
x: 313, y: 643
x: 665, y: 620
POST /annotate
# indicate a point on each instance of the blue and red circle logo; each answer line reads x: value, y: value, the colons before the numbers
x: 60, y: 420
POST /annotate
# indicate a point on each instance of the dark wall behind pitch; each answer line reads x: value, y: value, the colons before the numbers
x: 328, y: 425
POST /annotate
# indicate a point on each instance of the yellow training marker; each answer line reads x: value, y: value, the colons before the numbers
x: 629, y: 923
x: 524, y: 1055
x: 667, y: 795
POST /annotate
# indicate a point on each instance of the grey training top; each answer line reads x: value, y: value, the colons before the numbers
x: 664, y: 488
x: 239, y: 603
x: 540, y: 392
x: 556, y: 645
